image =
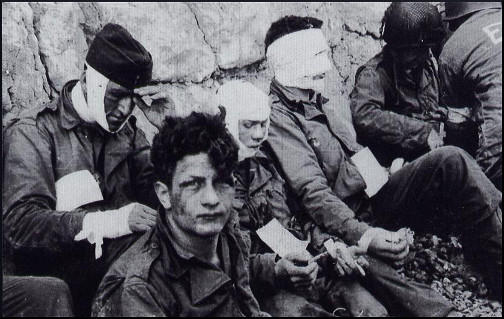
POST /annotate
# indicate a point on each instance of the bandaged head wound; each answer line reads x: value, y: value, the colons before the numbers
x: 297, y: 57
x: 243, y: 101
x: 114, y: 55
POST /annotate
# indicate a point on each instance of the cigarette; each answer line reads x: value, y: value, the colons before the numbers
x: 361, y: 270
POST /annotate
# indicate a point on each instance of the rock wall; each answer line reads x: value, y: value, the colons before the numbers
x: 195, y: 46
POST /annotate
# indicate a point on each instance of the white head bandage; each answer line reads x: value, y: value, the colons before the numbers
x: 93, y: 111
x: 299, y: 56
x: 96, y: 84
x: 243, y: 101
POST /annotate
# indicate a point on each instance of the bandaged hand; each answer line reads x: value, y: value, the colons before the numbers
x: 349, y: 260
x: 434, y: 140
x: 387, y: 244
x: 113, y: 224
x: 296, y: 270
x: 396, y: 165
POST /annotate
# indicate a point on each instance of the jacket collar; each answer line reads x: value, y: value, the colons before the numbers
x: 308, y: 102
x: 205, y: 279
x: 68, y: 116
x: 254, y: 169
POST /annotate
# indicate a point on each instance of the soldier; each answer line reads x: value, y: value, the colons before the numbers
x: 280, y: 284
x: 77, y: 171
x: 194, y: 262
x: 442, y: 188
x: 470, y: 70
x: 395, y: 101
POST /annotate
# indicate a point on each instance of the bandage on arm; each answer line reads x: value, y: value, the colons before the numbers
x: 107, y: 224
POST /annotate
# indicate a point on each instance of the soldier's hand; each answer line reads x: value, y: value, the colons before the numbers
x: 434, y: 140
x: 154, y: 101
x: 141, y: 218
x: 390, y: 245
x: 346, y: 258
x: 151, y: 93
x: 296, y: 269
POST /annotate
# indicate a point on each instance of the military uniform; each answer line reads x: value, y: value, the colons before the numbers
x: 261, y: 196
x: 41, y: 147
x: 313, y: 151
x: 392, y: 115
x: 156, y: 278
x: 470, y: 69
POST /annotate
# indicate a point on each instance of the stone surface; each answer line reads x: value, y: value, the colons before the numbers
x: 24, y: 82
x: 195, y: 46
x: 62, y: 43
x: 170, y: 32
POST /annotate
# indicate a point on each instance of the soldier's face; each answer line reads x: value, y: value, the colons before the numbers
x: 252, y: 133
x: 411, y: 59
x: 118, y: 103
x: 200, y: 198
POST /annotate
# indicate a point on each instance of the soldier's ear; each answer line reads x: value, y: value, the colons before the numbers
x: 163, y: 194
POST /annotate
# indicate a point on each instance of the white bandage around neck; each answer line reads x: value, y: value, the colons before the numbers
x: 296, y: 57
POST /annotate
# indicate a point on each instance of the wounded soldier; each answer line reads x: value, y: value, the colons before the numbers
x: 280, y: 284
x: 317, y: 157
x: 77, y: 171
x: 194, y: 262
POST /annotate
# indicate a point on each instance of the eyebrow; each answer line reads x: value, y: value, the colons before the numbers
x: 254, y: 121
x: 190, y: 179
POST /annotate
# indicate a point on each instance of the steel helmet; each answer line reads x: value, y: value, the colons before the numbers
x: 412, y: 24
x: 458, y: 9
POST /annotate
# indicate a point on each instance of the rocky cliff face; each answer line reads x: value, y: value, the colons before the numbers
x: 195, y: 46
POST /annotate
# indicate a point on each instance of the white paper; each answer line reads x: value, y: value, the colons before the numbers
x: 77, y: 189
x: 279, y: 239
x: 373, y: 173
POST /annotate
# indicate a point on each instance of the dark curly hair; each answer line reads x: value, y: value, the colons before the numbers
x: 197, y: 133
x: 289, y: 24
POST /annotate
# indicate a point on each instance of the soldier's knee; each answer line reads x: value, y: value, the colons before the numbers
x: 451, y: 155
x: 55, y: 285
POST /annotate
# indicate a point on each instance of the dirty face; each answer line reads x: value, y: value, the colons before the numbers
x: 252, y: 133
x: 200, y: 197
x: 411, y: 59
x: 118, y: 103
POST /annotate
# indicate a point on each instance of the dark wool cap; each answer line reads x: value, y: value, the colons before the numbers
x: 119, y: 57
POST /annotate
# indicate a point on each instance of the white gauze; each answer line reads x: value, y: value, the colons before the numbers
x: 243, y: 101
x: 296, y: 57
x: 80, y: 104
x: 96, y: 84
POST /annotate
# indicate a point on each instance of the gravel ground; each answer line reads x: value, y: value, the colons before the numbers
x: 439, y: 263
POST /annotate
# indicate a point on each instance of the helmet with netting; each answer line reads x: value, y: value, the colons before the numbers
x: 412, y: 24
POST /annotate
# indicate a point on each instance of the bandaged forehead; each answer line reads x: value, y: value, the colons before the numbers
x: 298, y: 52
x: 243, y: 101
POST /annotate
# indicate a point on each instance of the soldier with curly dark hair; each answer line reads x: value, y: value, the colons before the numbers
x: 193, y: 262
